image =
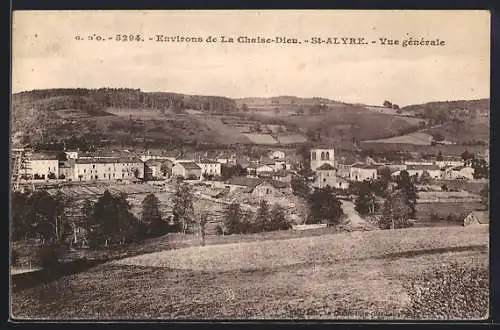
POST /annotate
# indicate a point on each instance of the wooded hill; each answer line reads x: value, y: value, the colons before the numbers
x: 129, y: 117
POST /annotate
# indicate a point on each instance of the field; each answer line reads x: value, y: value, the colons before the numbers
x: 261, y: 138
x: 444, y: 209
x: 412, y: 138
x: 141, y: 113
x: 346, y: 275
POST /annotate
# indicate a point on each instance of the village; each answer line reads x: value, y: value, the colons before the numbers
x: 220, y: 178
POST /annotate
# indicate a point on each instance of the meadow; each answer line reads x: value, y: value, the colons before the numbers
x: 338, y: 275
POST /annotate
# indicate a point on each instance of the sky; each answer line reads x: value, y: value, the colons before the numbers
x: 46, y: 54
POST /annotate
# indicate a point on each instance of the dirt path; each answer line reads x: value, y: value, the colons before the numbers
x: 354, y: 221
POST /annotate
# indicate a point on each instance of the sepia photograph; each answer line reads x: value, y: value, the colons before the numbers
x: 250, y: 165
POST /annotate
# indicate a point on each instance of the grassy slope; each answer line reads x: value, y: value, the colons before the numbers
x: 359, y: 275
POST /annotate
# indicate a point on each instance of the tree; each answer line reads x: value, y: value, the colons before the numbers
x: 110, y: 220
x: 387, y: 104
x: 396, y: 212
x: 366, y: 202
x: 324, y: 206
x: 151, y: 216
x: 313, y: 135
x: 439, y: 156
x: 481, y: 170
x: 165, y: 170
x: 278, y: 219
x: 438, y: 137
x: 22, y: 216
x: 48, y: 220
x: 396, y: 107
x: 232, y: 218
x: 262, y: 218
x: 485, y: 196
x: 183, y: 210
x: 276, y: 111
x: 409, y: 190
x: 244, y: 107
x: 300, y: 187
x: 228, y: 172
x: 425, y: 178
x: 203, y: 219
x: 466, y: 156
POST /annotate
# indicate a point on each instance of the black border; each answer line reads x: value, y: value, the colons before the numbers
x: 491, y: 5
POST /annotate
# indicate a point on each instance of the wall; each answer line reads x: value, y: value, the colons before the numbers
x: 44, y: 167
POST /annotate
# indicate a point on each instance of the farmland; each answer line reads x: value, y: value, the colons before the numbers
x: 346, y: 275
x: 412, y: 138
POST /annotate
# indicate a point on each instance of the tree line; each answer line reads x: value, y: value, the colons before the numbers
x: 125, y: 97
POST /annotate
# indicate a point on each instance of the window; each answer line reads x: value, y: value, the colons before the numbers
x: 327, y: 156
x: 84, y: 170
x: 313, y: 155
x: 93, y: 166
x: 322, y: 155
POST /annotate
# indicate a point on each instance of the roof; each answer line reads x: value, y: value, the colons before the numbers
x: 481, y: 217
x: 326, y: 167
x: 108, y: 160
x: 423, y: 167
x: 366, y: 167
x: 66, y: 163
x: 41, y: 156
x: 244, y: 181
x: 267, y: 161
x: 279, y: 184
x: 153, y: 162
x: 207, y: 161
x: 189, y: 166
x: 281, y: 173
x: 459, y: 168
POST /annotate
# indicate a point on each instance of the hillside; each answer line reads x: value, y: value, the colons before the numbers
x: 482, y: 106
x: 367, y: 275
x: 130, y: 117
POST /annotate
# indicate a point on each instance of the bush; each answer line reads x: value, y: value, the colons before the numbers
x: 435, y: 217
x: 454, y: 291
x: 218, y: 230
x: 14, y: 257
x: 48, y: 256
x: 51, y: 176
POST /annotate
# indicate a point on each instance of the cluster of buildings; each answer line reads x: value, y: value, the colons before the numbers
x: 75, y: 166
x: 329, y: 172
x: 277, y: 166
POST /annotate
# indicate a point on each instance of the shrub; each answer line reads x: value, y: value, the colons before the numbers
x: 48, y: 256
x: 51, y: 176
x: 218, y: 230
x: 14, y: 257
x: 454, y: 291
x: 434, y: 216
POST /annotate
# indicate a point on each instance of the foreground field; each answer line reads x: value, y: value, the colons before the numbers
x: 348, y: 275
